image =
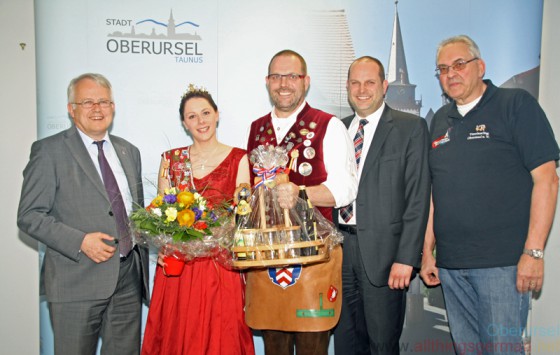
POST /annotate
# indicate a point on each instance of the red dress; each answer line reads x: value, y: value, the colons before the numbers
x: 201, y: 311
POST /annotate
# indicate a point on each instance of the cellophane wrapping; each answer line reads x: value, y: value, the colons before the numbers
x: 182, y: 224
x: 261, y: 222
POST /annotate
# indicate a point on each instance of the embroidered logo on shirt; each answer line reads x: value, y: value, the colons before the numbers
x: 480, y: 133
x: 441, y: 140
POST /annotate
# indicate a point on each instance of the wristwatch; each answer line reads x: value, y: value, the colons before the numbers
x: 535, y: 253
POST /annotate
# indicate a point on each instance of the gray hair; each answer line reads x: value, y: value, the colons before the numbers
x: 472, y: 46
x: 98, y: 78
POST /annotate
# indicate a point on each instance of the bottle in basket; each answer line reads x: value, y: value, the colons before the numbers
x: 308, y: 222
x: 242, y: 211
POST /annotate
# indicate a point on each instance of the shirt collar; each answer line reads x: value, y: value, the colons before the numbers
x: 294, y: 114
x: 373, y: 117
x: 88, y: 141
x: 453, y: 112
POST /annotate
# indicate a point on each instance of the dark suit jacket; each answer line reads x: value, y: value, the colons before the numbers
x: 393, y: 194
x: 62, y: 199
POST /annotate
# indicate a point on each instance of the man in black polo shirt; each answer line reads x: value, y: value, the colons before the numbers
x: 493, y: 164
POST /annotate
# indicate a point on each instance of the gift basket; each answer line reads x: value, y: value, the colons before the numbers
x: 267, y: 235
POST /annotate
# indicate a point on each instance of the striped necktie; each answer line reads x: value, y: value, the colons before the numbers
x: 347, y: 212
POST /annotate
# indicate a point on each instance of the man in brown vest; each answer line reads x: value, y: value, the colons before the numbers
x: 326, y: 166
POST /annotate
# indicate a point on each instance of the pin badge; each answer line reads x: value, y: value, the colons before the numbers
x: 309, y: 153
x: 305, y: 169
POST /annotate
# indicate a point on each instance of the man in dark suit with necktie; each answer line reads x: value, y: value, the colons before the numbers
x: 384, y: 228
x: 78, y: 189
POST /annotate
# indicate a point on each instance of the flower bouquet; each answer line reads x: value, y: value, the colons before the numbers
x: 183, y: 225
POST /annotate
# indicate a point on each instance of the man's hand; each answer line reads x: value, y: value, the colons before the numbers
x: 96, y: 249
x: 530, y: 272
x: 287, y: 194
x: 399, y: 277
x: 429, y: 272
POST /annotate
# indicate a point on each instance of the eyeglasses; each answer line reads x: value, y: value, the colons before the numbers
x: 90, y: 103
x: 292, y: 77
x: 457, y: 66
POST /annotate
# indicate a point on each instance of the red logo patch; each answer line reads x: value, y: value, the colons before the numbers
x: 333, y: 293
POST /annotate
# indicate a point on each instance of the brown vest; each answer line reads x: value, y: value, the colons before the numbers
x: 306, y: 136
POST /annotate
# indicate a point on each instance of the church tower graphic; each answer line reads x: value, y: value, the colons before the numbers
x: 171, y: 26
x: 401, y: 94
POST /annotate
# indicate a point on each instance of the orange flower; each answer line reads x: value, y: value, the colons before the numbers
x: 185, y: 198
x: 158, y: 201
x: 185, y: 218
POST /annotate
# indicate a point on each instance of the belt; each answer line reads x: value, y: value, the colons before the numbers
x: 124, y: 258
x: 348, y: 228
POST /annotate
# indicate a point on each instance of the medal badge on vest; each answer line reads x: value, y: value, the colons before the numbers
x: 305, y: 137
x: 298, y: 134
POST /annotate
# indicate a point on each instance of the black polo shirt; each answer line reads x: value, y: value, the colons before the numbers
x: 480, y: 166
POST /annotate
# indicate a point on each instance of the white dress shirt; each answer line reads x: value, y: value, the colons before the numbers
x: 369, y: 132
x: 338, y: 156
x: 114, y: 163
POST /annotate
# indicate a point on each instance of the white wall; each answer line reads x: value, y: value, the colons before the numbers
x: 19, y: 323
x: 19, y: 306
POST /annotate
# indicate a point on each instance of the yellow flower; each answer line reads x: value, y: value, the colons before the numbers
x: 171, y: 191
x: 171, y: 213
x: 185, y: 198
x: 185, y: 218
x: 158, y: 201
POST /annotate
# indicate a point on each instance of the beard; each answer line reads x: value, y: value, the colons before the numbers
x: 286, y: 103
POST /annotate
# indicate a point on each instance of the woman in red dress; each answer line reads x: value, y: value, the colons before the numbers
x: 200, y: 311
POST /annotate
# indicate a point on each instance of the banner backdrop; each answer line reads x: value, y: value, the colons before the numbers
x: 151, y: 51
